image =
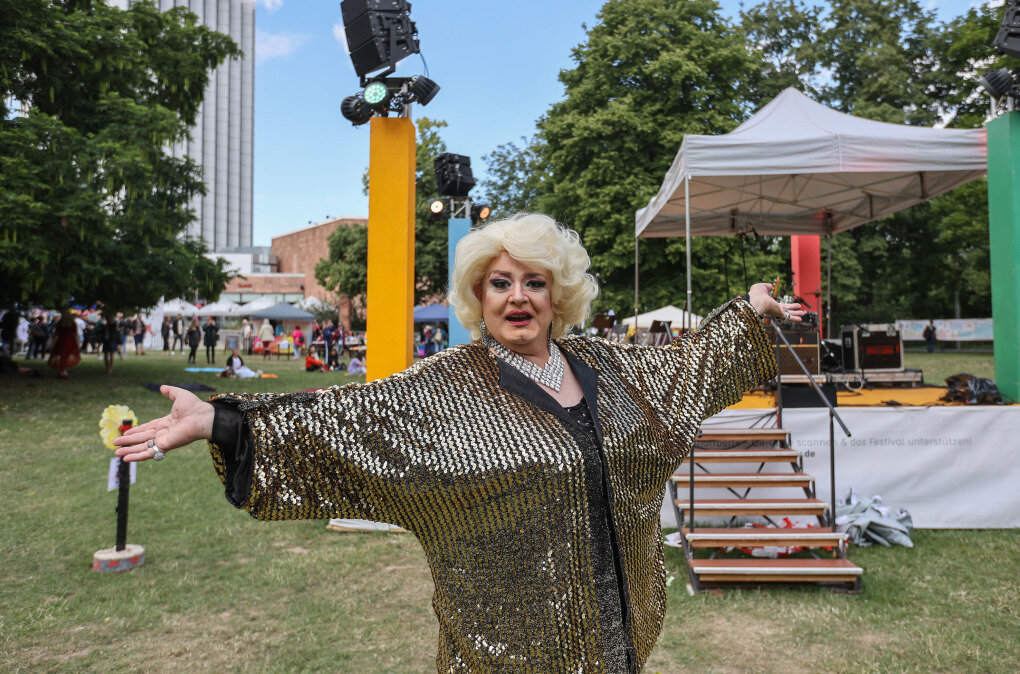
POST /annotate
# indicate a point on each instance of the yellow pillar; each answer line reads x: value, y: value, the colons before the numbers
x: 390, y: 246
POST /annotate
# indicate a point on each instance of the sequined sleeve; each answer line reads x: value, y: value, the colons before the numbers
x: 333, y: 452
x: 707, y: 369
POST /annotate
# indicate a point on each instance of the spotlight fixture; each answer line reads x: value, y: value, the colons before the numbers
x: 1007, y: 40
x: 480, y: 212
x: 355, y: 109
x: 379, y: 33
x: 422, y: 89
x: 998, y: 83
x: 377, y: 95
x: 437, y: 206
x: 453, y: 175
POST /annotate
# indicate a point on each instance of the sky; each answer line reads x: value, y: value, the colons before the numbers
x: 496, y: 63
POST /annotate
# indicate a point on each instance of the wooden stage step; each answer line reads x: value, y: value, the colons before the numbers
x: 775, y: 570
x: 762, y: 506
x: 743, y: 480
x: 743, y: 435
x: 755, y: 537
x: 744, y: 456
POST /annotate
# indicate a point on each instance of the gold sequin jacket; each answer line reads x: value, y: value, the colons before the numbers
x: 486, y: 470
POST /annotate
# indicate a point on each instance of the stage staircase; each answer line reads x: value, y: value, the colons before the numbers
x: 718, y: 456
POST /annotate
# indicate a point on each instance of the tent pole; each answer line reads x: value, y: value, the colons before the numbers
x: 687, y: 221
x: 828, y: 284
x: 636, y: 265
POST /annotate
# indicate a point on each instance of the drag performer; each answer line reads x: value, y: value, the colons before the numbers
x: 530, y: 465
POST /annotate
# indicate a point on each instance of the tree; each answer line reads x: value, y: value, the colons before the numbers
x: 344, y: 270
x: 92, y: 208
x: 649, y: 72
x: 515, y: 179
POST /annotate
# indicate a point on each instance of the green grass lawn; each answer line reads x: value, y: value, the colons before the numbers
x: 220, y: 591
x: 939, y: 365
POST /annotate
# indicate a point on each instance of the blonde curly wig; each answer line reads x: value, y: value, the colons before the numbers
x: 534, y: 239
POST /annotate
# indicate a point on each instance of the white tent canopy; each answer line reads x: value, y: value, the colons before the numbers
x: 178, y: 307
x: 798, y: 167
x: 313, y: 303
x: 674, y: 315
x: 256, y: 305
x: 220, y: 309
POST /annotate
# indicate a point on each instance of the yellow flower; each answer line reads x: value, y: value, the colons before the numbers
x: 110, y: 422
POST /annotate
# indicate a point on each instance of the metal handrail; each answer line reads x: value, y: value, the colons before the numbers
x: 832, y: 415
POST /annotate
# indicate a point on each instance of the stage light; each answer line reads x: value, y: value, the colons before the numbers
x: 379, y: 33
x: 355, y: 109
x: 480, y: 212
x: 453, y: 175
x: 377, y: 95
x: 422, y: 89
x: 997, y: 83
x: 1007, y: 40
x: 436, y: 206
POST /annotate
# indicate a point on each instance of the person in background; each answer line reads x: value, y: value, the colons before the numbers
x: 239, y: 370
x: 38, y: 333
x: 313, y: 364
x: 341, y: 337
x: 930, y: 336
x: 138, y: 330
x: 438, y: 338
x: 357, y: 365
x: 9, y: 330
x: 327, y: 336
x: 194, y: 338
x: 178, y: 328
x: 212, y: 336
x: 266, y: 336
x: 66, y: 347
x: 125, y: 330
x: 247, y: 342
x: 333, y: 361
x: 109, y: 335
x: 164, y: 332
x: 21, y: 336
x: 299, y: 341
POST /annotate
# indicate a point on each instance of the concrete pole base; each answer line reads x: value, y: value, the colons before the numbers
x: 112, y: 559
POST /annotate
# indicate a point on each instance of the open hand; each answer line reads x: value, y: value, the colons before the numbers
x: 766, y: 305
x: 190, y: 419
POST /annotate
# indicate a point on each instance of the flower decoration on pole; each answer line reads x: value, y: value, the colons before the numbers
x: 116, y: 419
x: 113, y: 424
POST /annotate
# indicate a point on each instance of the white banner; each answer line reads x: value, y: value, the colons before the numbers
x: 951, y: 467
x: 949, y: 329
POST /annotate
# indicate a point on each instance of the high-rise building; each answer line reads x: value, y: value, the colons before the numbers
x: 223, y: 136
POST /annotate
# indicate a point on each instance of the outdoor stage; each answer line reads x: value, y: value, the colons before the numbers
x: 950, y: 465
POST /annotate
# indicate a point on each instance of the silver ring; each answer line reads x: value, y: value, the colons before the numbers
x: 157, y: 453
x: 151, y: 443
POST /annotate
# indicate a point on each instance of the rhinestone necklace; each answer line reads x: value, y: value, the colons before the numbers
x: 551, y: 375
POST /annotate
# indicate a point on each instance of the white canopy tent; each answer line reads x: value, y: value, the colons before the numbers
x: 220, y: 309
x: 674, y: 315
x: 261, y: 303
x: 178, y: 307
x: 798, y: 167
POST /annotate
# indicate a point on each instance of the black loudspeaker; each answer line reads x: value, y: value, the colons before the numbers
x: 1007, y: 40
x: 453, y: 174
x: 804, y: 395
x: 379, y: 33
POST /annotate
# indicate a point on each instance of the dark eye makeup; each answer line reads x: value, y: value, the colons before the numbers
x: 503, y: 284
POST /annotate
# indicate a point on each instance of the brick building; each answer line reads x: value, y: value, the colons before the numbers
x: 298, y: 252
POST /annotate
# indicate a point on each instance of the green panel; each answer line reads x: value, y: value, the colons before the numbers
x: 1004, y: 244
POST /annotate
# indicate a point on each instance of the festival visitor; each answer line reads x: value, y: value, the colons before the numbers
x: 178, y: 329
x: 333, y: 362
x: 246, y: 336
x: 356, y: 366
x: 21, y: 336
x: 66, y: 351
x: 38, y: 334
x: 138, y: 330
x: 529, y: 465
x: 9, y: 330
x: 125, y: 332
x: 109, y: 335
x: 266, y: 336
x: 194, y: 338
x: 328, y: 336
x: 930, y: 336
x: 238, y: 369
x: 212, y: 336
x: 313, y: 364
x: 299, y: 341
x: 164, y: 332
